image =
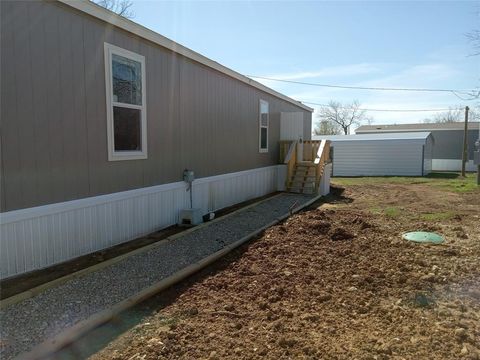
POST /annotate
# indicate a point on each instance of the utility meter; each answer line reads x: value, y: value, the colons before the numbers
x: 188, y: 175
x: 192, y: 216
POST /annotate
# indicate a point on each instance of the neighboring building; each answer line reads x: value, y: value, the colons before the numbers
x: 402, y: 154
x: 100, y: 116
x: 448, y: 137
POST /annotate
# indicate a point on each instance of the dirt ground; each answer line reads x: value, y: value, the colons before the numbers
x: 333, y: 282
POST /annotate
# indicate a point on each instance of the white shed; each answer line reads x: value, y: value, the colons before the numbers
x: 392, y: 154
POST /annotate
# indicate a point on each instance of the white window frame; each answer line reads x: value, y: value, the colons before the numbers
x: 260, y: 126
x: 124, y: 155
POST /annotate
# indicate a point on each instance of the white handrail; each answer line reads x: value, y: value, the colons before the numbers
x: 291, y: 150
x: 320, y: 152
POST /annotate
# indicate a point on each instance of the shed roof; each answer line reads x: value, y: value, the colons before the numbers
x: 92, y: 9
x: 418, y: 127
x: 375, y: 137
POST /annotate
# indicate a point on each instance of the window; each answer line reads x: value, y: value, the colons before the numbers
x: 263, y: 121
x: 126, y: 108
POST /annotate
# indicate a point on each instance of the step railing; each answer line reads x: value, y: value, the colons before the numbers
x: 290, y: 159
x: 315, y: 151
x: 284, y: 147
x: 310, y: 149
x: 322, y: 157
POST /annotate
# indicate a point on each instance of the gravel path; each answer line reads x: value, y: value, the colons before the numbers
x: 32, y: 321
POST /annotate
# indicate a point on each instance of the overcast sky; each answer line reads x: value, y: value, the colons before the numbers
x: 385, y: 43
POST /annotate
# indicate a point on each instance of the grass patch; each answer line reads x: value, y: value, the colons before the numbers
x: 447, y: 180
x: 391, y: 211
x: 437, y: 216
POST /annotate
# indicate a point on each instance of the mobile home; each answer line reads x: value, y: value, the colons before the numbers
x: 100, y: 117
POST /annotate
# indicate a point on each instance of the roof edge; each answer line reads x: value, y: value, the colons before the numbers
x: 406, y: 130
x: 472, y: 125
x: 110, y: 17
x: 418, y: 135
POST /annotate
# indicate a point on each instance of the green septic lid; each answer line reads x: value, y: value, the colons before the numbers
x: 423, y: 237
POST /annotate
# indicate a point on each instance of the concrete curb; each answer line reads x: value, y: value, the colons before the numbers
x: 49, y: 347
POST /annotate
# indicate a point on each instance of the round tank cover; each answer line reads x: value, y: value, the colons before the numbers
x: 423, y: 237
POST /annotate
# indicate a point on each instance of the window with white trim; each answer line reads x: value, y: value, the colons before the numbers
x: 263, y: 124
x: 126, y: 108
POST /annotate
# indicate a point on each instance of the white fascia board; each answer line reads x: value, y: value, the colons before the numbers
x: 98, y: 12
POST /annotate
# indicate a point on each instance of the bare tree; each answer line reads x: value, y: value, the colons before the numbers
x: 121, y: 7
x: 325, y: 127
x: 344, y: 116
x: 454, y: 115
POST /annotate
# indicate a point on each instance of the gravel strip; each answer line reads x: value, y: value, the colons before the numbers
x: 32, y: 321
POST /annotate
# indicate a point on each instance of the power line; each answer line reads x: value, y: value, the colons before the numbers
x: 385, y: 110
x: 472, y: 95
x: 471, y: 92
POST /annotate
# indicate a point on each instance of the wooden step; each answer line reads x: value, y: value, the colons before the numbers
x: 304, y: 170
x: 305, y: 163
x: 303, y: 174
x: 306, y: 166
x: 300, y: 190
x: 301, y: 183
x: 304, y: 178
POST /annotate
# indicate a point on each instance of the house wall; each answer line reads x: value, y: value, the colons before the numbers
x: 291, y: 126
x: 447, y: 150
x: 449, y: 144
x: 378, y: 158
x: 427, y: 155
x: 54, y: 131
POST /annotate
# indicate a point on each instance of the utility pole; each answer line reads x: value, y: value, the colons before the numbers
x: 476, y: 157
x: 465, y: 137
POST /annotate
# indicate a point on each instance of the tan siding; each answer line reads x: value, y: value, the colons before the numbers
x: 54, y: 121
x: 11, y: 166
x: 40, y: 115
x: 95, y: 109
x: 79, y: 103
x: 307, y: 125
x: 72, y: 113
x: 54, y: 132
x: 23, y: 76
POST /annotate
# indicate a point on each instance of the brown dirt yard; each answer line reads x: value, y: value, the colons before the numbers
x: 334, y: 282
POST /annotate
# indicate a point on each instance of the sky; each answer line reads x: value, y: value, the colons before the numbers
x: 409, y: 44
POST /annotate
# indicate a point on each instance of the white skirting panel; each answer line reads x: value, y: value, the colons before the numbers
x: 324, y: 188
x: 452, y: 165
x: 35, y: 238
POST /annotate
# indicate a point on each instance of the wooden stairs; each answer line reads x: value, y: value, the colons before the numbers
x: 304, y: 176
